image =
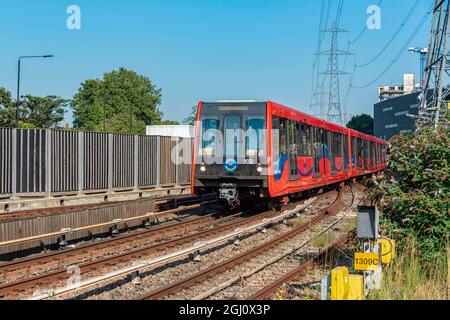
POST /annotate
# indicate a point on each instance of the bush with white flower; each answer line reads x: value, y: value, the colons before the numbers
x: 414, y: 192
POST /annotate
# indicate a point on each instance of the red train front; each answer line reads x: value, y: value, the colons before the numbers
x: 266, y: 152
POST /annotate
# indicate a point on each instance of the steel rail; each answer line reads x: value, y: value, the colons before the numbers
x: 67, y: 231
x: 60, y: 275
x: 159, y: 293
x: 268, y: 291
x: 172, y: 256
x: 99, y: 245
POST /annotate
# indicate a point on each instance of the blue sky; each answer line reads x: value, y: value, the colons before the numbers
x: 200, y: 49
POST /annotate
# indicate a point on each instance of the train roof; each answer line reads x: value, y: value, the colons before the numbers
x: 327, y: 124
x: 294, y: 113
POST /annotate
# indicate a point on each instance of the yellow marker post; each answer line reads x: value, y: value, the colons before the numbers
x: 387, y: 250
x: 339, y: 283
x: 356, y: 287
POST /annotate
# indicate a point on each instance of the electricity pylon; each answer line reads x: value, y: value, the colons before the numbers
x: 334, y: 112
x: 434, y: 98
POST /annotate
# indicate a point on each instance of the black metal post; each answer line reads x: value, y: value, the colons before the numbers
x: 18, y: 92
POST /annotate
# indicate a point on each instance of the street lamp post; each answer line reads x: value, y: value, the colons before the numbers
x: 18, y: 78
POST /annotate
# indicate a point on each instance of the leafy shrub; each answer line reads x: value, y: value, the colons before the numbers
x: 414, y: 192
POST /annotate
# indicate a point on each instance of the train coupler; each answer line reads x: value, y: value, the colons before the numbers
x: 228, y: 192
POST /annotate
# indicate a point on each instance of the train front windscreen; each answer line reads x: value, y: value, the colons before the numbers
x: 232, y: 136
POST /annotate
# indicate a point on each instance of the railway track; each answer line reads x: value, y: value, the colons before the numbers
x: 200, y: 282
x: 66, y: 257
x: 34, y: 213
x: 101, y: 271
x: 269, y: 291
x: 31, y: 284
x: 171, y: 204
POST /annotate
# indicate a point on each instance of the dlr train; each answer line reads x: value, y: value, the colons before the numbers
x: 267, y: 153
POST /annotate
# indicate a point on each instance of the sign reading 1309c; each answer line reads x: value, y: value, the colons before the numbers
x: 366, y: 261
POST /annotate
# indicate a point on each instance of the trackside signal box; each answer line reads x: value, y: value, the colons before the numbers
x: 368, y: 219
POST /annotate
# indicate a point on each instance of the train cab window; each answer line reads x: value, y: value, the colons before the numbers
x: 232, y: 136
x: 210, y: 136
x: 255, y: 144
x: 305, y: 140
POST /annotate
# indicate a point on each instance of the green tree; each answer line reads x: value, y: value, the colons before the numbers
x: 169, y: 123
x: 33, y: 112
x: 190, y: 120
x: 7, y: 109
x: 123, y: 101
x: 41, y: 112
x: 362, y: 123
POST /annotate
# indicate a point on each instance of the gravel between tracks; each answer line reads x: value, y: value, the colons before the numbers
x: 158, y: 276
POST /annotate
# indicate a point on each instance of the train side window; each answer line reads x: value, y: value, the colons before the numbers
x: 283, y: 136
x: 276, y: 138
x: 305, y: 145
x: 317, y: 149
x: 345, y: 149
x: 354, y: 152
x: 336, y: 150
x: 293, y: 142
x: 359, y: 154
x: 372, y: 153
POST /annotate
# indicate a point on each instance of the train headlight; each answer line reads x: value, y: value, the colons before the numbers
x: 259, y: 169
x: 202, y: 168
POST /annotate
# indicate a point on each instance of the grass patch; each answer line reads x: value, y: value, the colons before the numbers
x: 322, y: 240
x: 297, y: 222
x: 350, y: 225
x: 411, y: 277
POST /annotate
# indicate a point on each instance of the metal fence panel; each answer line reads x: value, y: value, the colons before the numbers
x: 64, y: 161
x: 168, y: 168
x: 186, y: 155
x: 38, y: 161
x: 29, y: 227
x: 95, y: 161
x: 123, y: 161
x: 31, y: 155
x: 5, y: 160
x: 147, y: 161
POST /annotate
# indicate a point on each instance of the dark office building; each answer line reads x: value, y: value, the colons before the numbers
x: 390, y: 116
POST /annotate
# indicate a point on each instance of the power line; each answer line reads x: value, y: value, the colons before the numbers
x: 317, y: 57
x: 391, y: 40
x: 401, y: 51
x: 317, y: 88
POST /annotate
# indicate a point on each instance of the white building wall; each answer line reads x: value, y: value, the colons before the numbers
x: 183, y: 131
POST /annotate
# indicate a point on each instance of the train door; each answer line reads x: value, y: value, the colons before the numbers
x: 293, y: 153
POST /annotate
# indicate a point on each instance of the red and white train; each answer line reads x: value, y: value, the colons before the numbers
x: 267, y: 152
